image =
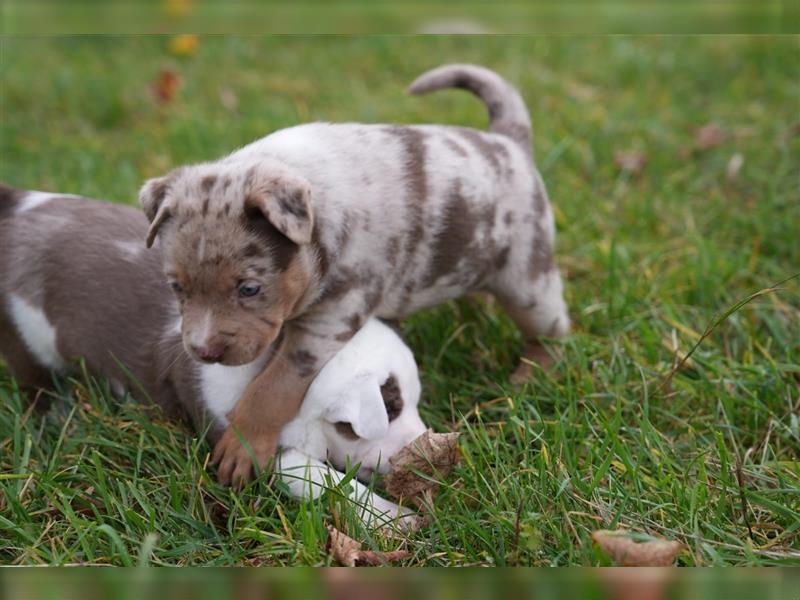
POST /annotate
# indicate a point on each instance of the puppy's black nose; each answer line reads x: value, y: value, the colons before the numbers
x: 210, y: 354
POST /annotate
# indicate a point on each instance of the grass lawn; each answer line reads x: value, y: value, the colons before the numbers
x: 651, y: 254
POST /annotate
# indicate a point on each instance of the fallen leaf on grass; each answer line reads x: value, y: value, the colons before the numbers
x: 348, y: 552
x: 627, y: 552
x: 166, y: 86
x: 413, y: 468
x: 708, y: 136
x: 630, y: 162
x: 184, y: 45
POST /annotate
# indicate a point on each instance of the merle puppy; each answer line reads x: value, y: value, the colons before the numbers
x: 292, y: 242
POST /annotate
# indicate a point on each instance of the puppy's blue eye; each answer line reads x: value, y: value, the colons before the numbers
x: 248, y: 290
x: 176, y: 287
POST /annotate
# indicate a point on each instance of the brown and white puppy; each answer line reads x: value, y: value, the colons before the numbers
x: 314, y: 229
x: 76, y: 282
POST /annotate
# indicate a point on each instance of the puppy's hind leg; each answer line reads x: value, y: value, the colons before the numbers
x: 537, y: 307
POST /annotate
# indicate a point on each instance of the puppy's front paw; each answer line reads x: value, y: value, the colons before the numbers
x: 234, y: 461
x: 534, y: 354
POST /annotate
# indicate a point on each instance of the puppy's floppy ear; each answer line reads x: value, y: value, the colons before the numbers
x: 286, y: 203
x: 152, y: 198
x: 361, y: 406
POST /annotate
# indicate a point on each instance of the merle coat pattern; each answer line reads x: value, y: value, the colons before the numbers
x: 331, y: 224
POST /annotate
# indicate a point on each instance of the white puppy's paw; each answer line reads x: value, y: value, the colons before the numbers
x: 384, y: 513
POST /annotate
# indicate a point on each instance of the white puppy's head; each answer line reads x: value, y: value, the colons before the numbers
x: 369, y: 395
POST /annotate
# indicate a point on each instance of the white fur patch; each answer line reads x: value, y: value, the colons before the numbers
x: 222, y: 386
x: 36, y: 331
x: 34, y: 199
x: 177, y: 326
x: 201, y: 248
x: 130, y: 250
x: 199, y: 337
x: 550, y: 315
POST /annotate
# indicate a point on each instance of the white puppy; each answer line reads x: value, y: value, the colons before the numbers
x: 360, y: 409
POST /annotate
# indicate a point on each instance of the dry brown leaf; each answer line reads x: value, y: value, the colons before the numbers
x: 708, y: 136
x: 416, y: 466
x: 166, y: 86
x: 627, y: 552
x: 348, y: 552
x: 631, y: 162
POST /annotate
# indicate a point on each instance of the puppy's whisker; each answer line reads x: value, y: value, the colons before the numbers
x: 180, y: 354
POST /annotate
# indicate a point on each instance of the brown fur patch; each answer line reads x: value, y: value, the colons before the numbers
x: 323, y: 259
x: 291, y: 202
x: 416, y: 178
x: 456, y: 147
x: 501, y: 260
x: 392, y: 398
x: 305, y: 361
x: 281, y: 248
x: 452, y: 240
x: 539, y: 201
x: 8, y: 199
x: 487, y: 149
x: 207, y: 183
x: 394, y: 325
x: 253, y: 250
x: 392, y: 249
x: 343, y: 234
x: 345, y: 430
x: 487, y: 214
x: 374, y: 294
x: 339, y: 284
x: 540, y: 260
x: 354, y: 322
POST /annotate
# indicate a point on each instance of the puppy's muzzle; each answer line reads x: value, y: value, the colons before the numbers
x: 211, y: 353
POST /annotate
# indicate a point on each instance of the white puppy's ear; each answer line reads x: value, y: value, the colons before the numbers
x: 362, y: 406
x: 152, y: 198
x: 285, y: 202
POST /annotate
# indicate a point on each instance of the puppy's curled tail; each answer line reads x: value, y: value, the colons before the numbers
x: 508, y: 114
x: 8, y: 199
